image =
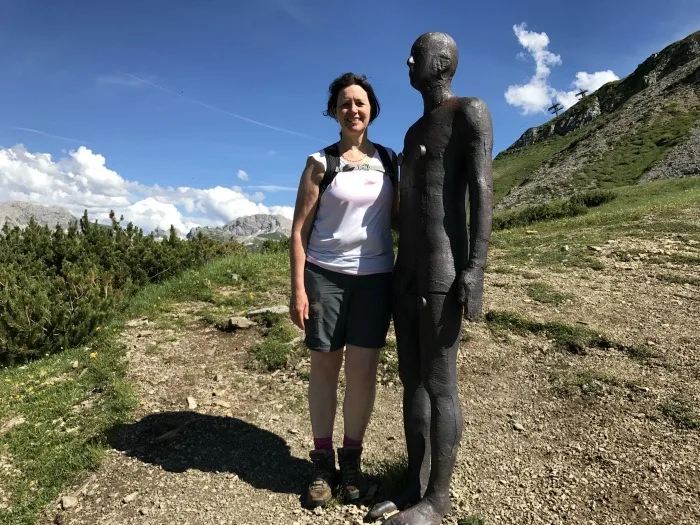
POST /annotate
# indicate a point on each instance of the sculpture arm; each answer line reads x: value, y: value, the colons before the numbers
x: 478, y: 154
x: 396, y: 196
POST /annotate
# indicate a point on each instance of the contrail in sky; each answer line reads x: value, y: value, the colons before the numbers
x: 271, y: 188
x: 50, y: 135
x: 220, y: 110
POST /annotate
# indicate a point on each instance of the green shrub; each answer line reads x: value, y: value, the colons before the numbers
x: 537, y: 213
x: 58, y: 287
x: 575, y: 205
x: 275, y: 246
x: 594, y: 198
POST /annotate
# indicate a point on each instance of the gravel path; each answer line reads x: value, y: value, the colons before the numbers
x: 549, y: 437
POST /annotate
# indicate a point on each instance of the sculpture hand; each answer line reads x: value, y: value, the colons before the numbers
x: 471, y: 288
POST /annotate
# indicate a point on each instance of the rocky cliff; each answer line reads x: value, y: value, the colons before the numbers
x: 643, y: 127
x: 250, y: 230
x: 18, y: 213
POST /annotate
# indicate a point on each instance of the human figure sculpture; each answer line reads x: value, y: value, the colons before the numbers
x: 439, y: 271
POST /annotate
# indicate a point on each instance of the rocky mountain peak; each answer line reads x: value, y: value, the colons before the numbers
x: 19, y: 213
x: 248, y: 230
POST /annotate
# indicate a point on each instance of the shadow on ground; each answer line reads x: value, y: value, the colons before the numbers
x: 178, y: 441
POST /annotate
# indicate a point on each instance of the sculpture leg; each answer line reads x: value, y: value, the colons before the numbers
x: 416, y: 409
x: 440, y: 326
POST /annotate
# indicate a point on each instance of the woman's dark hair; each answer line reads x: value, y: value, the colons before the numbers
x: 351, y: 79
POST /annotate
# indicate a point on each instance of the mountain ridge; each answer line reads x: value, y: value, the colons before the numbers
x: 643, y: 127
x: 250, y: 230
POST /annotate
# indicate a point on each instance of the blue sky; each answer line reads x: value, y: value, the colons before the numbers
x: 199, y: 112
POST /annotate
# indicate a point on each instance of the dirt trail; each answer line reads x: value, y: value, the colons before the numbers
x: 549, y: 437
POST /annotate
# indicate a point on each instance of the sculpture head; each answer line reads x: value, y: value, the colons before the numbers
x: 433, y: 60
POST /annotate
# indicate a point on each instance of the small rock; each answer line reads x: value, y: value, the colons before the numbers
x: 221, y: 403
x: 68, y: 502
x: 191, y: 403
x: 131, y: 497
x: 143, y: 511
x: 293, y: 431
x: 218, y: 378
x: 76, y: 364
x: 595, y: 248
x: 517, y: 426
x: 235, y: 323
x: 565, y: 248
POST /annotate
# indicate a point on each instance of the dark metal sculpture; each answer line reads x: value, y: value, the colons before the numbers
x: 445, y: 224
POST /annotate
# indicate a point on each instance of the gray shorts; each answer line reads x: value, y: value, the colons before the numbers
x: 346, y: 309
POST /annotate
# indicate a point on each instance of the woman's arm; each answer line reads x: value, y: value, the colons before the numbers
x: 304, y: 212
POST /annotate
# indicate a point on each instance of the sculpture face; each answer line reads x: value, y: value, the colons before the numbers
x: 433, y: 57
x: 419, y: 70
x: 354, y: 110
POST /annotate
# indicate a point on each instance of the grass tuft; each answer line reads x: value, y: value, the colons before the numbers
x: 589, y: 384
x: 471, y: 520
x: 279, y: 347
x: 680, y: 414
x: 572, y: 339
x: 392, y: 475
x: 545, y: 293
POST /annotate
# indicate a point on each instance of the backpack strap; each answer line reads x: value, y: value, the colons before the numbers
x: 390, y: 167
x: 332, y: 155
x: 332, y: 164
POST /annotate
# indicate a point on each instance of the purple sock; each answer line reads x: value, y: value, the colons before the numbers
x: 351, y: 443
x: 323, y: 443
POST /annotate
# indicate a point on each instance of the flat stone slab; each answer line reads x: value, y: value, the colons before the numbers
x: 282, y: 309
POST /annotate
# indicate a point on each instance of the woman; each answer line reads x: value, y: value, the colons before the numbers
x: 341, y: 257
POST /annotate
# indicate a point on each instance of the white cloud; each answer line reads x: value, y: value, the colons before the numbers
x: 242, y: 175
x: 285, y: 211
x: 258, y: 196
x: 537, y: 95
x: 82, y: 181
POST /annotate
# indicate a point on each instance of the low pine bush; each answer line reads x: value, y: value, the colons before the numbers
x: 57, y: 288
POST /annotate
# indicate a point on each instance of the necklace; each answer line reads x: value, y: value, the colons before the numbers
x: 363, y: 157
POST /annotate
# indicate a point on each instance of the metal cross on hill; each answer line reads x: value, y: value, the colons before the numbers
x: 556, y: 107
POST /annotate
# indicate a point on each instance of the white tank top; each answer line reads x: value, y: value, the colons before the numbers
x: 352, y: 230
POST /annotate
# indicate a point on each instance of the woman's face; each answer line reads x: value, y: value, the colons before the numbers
x: 353, y: 109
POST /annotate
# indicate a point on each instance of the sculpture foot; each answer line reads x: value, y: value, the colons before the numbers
x: 379, y: 509
x: 403, y: 500
x: 425, y: 512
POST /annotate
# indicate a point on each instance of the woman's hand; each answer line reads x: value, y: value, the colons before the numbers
x: 299, y: 308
